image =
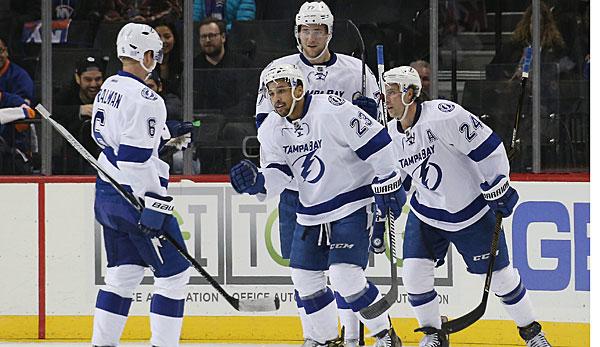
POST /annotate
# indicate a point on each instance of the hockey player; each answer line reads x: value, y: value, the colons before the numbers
x: 128, y: 124
x: 325, y: 72
x: 333, y: 151
x: 461, y: 173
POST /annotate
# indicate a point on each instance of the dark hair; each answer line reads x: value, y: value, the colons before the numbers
x: 89, y: 62
x: 549, y: 34
x: 210, y: 20
x: 175, y: 54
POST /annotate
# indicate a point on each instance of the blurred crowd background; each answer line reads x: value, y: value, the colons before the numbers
x: 479, y: 57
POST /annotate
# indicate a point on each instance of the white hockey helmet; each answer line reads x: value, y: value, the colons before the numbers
x: 289, y: 72
x: 316, y: 12
x: 135, y: 39
x: 405, y: 77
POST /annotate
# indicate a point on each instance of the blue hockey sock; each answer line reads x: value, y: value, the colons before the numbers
x: 110, y: 317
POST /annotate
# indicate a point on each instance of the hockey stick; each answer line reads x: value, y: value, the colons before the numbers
x: 255, y: 305
x: 379, y: 307
x: 362, y: 58
x: 465, y: 321
x: 363, y: 91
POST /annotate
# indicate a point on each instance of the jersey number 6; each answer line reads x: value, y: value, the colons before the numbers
x: 99, y: 123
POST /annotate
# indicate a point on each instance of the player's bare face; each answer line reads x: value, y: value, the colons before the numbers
x: 393, y: 99
x: 313, y: 38
x: 280, y: 94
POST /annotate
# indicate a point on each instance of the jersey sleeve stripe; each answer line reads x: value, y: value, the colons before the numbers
x: 133, y: 154
x: 110, y: 155
x: 260, y: 118
x: 337, y: 202
x: 486, y: 148
x: 446, y: 216
x: 164, y: 182
x: 281, y: 167
x: 376, y: 143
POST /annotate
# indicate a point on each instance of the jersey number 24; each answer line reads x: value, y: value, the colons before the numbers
x: 465, y: 128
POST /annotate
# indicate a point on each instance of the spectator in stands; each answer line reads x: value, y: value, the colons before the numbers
x: 212, y: 45
x: 552, y: 47
x: 228, y: 11
x: 73, y: 109
x: 171, y: 67
x: 13, y: 78
x: 424, y: 71
x: 220, y: 90
x: 142, y: 10
x: 172, y: 101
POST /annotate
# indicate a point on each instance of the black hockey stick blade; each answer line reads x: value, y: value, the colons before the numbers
x: 379, y: 307
x: 465, y: 321
x: 247, y: 305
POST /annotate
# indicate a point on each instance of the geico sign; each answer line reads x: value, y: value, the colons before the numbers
x: 563, y: 246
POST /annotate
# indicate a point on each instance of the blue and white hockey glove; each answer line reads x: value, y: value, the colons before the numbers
x: 377, y: 245
x: 245, y: 178
x: 389, y: 194
x: 156, y: 209
x: 366, y: 104
x: 178, y: 128
x: 500, y: 196
x: 180, y: 135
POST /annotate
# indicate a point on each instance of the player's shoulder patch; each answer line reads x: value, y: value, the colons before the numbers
x: 445, y: 107
x: 336, y: 100
x: 149, y: 94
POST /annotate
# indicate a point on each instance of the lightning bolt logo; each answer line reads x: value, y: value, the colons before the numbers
x: 156, y: 244
x: 307, y: 166
x: 425, y: 174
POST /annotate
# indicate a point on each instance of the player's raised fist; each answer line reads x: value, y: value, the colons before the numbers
x: 245, y: 178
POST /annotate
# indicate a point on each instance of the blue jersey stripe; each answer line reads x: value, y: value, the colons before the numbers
x: 110, y: 155
x: 281, y: 167
x: 260, y: 118
x: 133, y: 154
x: 445, y: 216
x: 377, y: 142
x: 338, y: 201
x: 485, y: 148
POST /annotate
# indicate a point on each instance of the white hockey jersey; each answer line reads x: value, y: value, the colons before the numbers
x: 341, y: 76
x: 127, y: 123
x: 447, y: 153
x: 333, y: 152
